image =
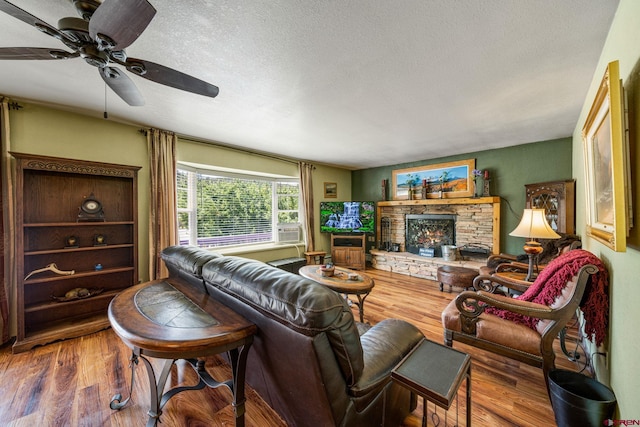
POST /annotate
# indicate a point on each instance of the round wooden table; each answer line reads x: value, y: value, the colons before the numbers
x: 340, y: 282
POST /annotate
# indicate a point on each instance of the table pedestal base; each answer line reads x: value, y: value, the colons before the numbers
x: 237, y: 357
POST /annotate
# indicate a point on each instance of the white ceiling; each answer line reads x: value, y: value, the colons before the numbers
x: 354, y: 83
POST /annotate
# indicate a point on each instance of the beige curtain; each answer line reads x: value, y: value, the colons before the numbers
x: 8, y: 277
x: 306, y: 189
x: 163, y: 229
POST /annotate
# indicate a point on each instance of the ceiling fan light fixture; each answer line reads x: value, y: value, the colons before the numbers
x: 93, y: 56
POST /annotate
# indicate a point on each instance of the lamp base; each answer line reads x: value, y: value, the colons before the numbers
x: 532, y: 249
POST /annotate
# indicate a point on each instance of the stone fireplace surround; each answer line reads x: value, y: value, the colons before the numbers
x: 477, y: 221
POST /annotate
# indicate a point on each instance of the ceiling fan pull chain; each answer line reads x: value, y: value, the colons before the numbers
x: 105, y: 115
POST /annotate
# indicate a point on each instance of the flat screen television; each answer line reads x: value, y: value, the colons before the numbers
x: 347, y: 217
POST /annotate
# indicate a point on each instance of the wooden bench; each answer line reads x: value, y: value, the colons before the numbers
x: 161, y: 320
x: 315, y: 257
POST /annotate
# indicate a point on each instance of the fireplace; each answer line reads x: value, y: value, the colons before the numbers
x: 429, y: 231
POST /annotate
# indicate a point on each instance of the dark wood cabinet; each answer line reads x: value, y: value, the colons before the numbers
x: 558, y: 199
x: 102, y: 253
x: 348, y: 251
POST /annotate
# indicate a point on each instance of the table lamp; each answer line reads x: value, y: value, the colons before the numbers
x: 533, y: 226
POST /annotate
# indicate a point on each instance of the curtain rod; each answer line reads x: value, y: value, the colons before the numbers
x: 234, y: 148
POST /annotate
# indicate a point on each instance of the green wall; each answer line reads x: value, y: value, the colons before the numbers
x: 623, y: 346
x: 510, y: 169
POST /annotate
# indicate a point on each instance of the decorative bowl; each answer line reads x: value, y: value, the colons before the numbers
x: 327, y: 271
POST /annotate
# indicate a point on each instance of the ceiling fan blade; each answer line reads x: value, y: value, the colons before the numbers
x: 122, y: 86
x: 170, y: 77
x: 24, y: 16
x: 118, y: 23
x: 34, y: 53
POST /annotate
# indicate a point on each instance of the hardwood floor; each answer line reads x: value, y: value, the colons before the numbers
x: 71, y: 383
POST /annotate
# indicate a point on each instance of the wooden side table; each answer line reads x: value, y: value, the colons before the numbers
x: 435, y: 372
x: 160, y: 319
x: 315, y: 257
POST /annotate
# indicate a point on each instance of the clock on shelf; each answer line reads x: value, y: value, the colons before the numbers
x: 91, y: 209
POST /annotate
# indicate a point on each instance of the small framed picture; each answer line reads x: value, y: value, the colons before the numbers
x: 330, y: 190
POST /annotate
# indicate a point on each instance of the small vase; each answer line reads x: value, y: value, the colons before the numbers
x: 475, y: 188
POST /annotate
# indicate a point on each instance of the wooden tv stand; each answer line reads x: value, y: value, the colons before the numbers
x: 348, y: 250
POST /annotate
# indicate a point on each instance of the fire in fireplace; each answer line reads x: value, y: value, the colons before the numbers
x: 429, y: 231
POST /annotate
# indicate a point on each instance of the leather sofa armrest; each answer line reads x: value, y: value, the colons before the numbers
x: 384, y: 346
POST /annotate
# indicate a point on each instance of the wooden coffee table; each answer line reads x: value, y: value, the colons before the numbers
x: 341, y: 283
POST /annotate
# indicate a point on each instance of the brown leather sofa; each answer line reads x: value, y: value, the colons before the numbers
x: 308, y: 361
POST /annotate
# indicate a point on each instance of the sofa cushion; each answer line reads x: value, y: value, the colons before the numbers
x: 302, y: 304
x: 384, y: 345
x: 189, y: 259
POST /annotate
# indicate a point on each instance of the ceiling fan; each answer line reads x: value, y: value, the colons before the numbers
x: 107, y: 27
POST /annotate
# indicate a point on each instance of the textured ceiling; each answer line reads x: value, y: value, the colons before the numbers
x: 357, y: 83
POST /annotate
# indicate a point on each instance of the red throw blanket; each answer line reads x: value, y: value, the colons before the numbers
x: 553, y: 278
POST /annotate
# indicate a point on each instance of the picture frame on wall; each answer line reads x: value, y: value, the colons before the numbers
x: 441, y: 180
x: 607, y: 164
x: 632, y: 103
x: 330, y: 190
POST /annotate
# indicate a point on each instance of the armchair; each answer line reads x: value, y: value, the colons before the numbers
x: 524, y: 328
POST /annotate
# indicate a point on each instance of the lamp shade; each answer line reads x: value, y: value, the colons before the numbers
x: 534, y: 225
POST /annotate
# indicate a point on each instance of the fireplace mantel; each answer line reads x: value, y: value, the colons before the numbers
x: 452, y: 201
x: 441, y: 204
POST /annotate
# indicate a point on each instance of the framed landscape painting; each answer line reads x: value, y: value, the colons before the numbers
x: 330, y: 190
x: 442, y: 180
x: 606, y: 165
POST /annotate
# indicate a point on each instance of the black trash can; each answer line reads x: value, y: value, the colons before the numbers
x: 579, y: 400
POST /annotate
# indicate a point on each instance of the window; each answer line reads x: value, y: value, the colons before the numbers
x: 217, y: 209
